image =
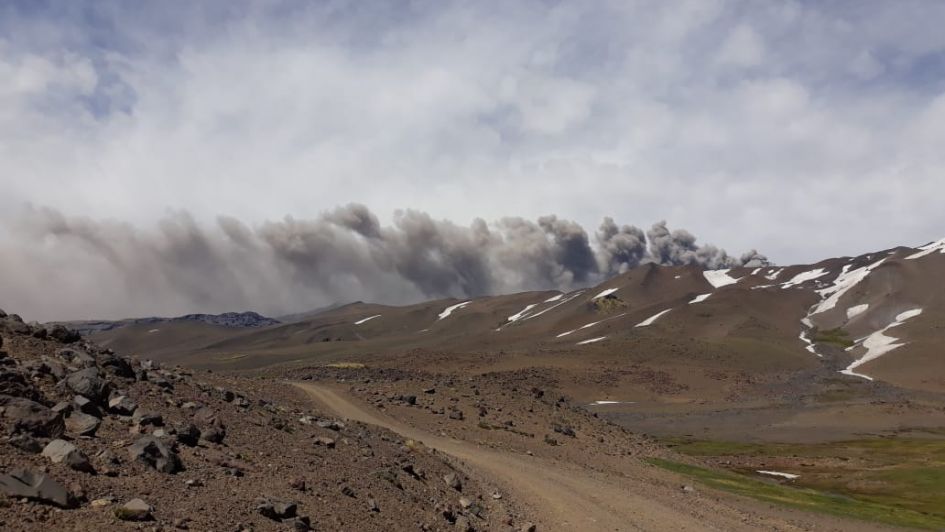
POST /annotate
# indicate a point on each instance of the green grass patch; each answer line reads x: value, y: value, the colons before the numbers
x: 804, y: 498
x: 833, y: 336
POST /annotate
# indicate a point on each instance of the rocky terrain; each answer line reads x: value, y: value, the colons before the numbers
x: 236, y: 320
x: 95, y: 440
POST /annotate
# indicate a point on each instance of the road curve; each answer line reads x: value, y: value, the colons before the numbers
x: 567, y: 497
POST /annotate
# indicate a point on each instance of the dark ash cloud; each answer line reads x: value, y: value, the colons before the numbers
x: 70, y: 268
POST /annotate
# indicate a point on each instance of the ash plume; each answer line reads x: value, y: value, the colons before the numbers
x: 64, y: 267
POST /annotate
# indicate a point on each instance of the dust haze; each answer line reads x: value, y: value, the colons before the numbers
x: 61, y: 267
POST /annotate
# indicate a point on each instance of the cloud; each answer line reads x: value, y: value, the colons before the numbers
x: 807, y: 129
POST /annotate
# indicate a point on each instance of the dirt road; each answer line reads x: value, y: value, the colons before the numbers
x: 566, y: 497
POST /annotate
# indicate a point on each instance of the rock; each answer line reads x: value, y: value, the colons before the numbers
x: 188, y: 434
x: 297, y: 484
x: 301, y: 524
x: 688, y: 489
x: 64, y: 335
x: 213, y: 434
x: 372, y: 505
x: 81, y: 424
x: 462, y: 523
x: 25, y: 443
x: 83, y: 404
x: 528, y: 527
x: 40, y: 332
x: 134, y: 510
x: 563, y: 429
x: 144, y: 419
x: 327, y: 442
x: 550, y: 441
x: 13, y: 383
x: 122, y: 405
x: 101, y: 503
x: 429, y: 391
x: 32, y: 418
x: 452, y: 480
x: 348, y: 491
x: 465, y: 502
x: 457, y: 414
x: 35, y: 486
x: 87, y: 383
x: 117, y: 366
x: 330, y: 425
x: 75, y: 357
x: 155, y: 453
x: 61, y: 451
x: 276, y: 509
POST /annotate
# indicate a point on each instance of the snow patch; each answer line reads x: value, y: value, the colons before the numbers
x: 651, y: 319
x: 599, y: 403
x: 878, y: 344
x: 591, y: 341
x: 841, y: 285
x: 521, y: 313
x: 789, y: 476
x: 700, y: 298
x: 755, y: 271
x: 152, y: 331
x: 449, y: 310
x: 928, y: 249
x: 591, y: 324
x: 367, y: 319
x: 856, y: 310
x: 605, y: 293
x: 810, y: 345
x: 552, y: 299
x: 803, y: 277
x: 719, y: 278
x: 773, y: 276
x: 556, y: 305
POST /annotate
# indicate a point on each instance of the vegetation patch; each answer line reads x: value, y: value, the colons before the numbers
x: 804, y: 498
x: 897, y: 472
x: 833, y: 336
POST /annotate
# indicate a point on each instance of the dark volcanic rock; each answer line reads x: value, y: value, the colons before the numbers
x: 276, y: 509
x: 31, y: 417
x: 156, y: 454
x: 82, y: 424
x: 64, y: 334
x: 88, y: 383
x: 35, y: 486
x: 61, y: 451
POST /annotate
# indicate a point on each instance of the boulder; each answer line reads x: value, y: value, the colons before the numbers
x: 116, y: 365
x: 88, y: 383
x: 31, y: 417
x: 155, y: 453
x: 82, y: 424
x: 14, y: 384
x: 25, y: 443
x: 83, y: 404
x: 36, y: 486
x: 61, y: 451
x: 122, y: 405
x: 64, y: 335
x: 188, y: 434
x: 134, y: 510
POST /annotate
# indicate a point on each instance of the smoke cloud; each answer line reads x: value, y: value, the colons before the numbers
x: 60, y: 267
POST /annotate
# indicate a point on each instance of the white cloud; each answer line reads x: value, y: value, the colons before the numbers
x: 754, y: 125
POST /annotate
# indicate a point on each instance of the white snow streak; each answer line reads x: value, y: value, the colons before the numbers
x: 856, y: 310
x: 929, y: 249
x: 552, y: 299
x: 878, y: 344
x: 719, y: 278
x: 521, y: 313
x: 789, y: 476
x: 367, y: 319
x: 605, y: 293
x: 803, y: 277
x: 591, y: 341
x: 841, y: 285
x: 651, y: 319
x: 556, y: 305
x: 700, y: 298
x: 449, y: 310
x: 773, y: 276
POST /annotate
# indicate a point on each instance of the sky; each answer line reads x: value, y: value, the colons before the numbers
x: 803, y: 129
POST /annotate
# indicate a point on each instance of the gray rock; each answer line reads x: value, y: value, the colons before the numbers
x: 64, y: 335
x: 122, y: 405
x: 25, y: 443
x: 35, y: 486
x: 82, y: 424
x: 143, y: 418
x: 88, y: 383
x: 276, y: 509
x: 155, y: 453
x: 63, y: 452
x: 134, y: 510
x: 452, y: 480
x: 75, y: 356
x: 188, y: 434
x: 32, y: 418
